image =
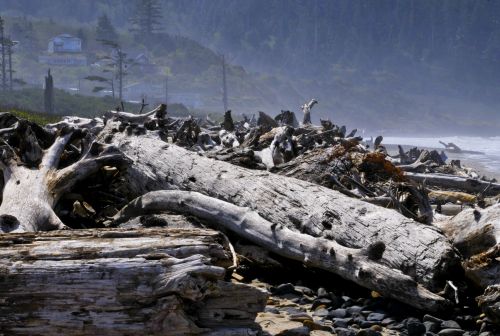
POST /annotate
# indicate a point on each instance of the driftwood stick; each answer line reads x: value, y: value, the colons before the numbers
x: 456, y: 182
x: 160, y: 111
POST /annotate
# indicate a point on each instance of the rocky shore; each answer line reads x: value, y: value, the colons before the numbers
x: 319, y: 304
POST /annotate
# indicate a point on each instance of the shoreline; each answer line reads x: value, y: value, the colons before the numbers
x: 466, y: 160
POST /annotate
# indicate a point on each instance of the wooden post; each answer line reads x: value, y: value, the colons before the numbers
x: 224, y: 84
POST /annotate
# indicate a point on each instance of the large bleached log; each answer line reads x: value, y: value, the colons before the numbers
x: 417, y: 250
x: 119, y: 282
x: 456, y: 182
x: 358, y: 265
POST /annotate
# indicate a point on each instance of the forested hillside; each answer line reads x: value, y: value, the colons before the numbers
x: 430, y: 65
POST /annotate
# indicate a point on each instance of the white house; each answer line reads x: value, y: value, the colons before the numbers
x: 65, y: 43
x: 64, y: 49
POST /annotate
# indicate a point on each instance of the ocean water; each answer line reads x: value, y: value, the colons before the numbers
x: 487, y: 163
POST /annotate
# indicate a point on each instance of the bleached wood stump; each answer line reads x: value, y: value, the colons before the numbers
x: 122, y: 282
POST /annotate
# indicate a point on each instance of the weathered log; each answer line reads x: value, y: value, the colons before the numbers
x: 122, y: 282
x: 456, y: 182
x: 417, y: 250
x: 358, y: 265
x: 476, y: 234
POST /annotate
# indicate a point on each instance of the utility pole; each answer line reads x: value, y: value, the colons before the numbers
x: 166, y: 89
x: 121, y: 64
x: 224, y: 84
x: 2, y: 42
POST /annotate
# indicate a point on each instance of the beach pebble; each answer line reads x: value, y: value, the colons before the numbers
x: 415, y: 327
x: 450, y: 324
x: 340, y: 312
x: 375, y: 317
x: 451, y: 332
x: 344, y: 332
x: 286, y: 288
x: 368, y: 332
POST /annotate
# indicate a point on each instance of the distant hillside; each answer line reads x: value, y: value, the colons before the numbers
x: 403, y: 66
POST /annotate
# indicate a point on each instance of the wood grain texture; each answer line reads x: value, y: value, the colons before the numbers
x: 418, y: 250
x: 121, y: 282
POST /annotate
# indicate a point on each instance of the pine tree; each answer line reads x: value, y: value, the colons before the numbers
x: 105, y: 29
x: 147, y: 17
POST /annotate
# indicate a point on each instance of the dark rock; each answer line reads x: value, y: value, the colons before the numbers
x: 451, y: 332
x: 358, y: 318
x: 375, y: 317
x: 450, y: 324
x: 340, y: 312
x: 304, y: 290
x: 300, y: 317
x: 342, y: 322
x: 300, y: 331
x: 430, y: 318
x: 336, y: 301
x: 282, y: 289
x: 388, y: 321
x: 368, y: 332
x: 432, y: 326
x: 430, y: 334
x: 321, y: 302
x: 344, y: 332
x: 322, y: 293
x: 347, y: 301
x: 354, y: 309
x: 376, y: 327
x: 305, y: 300
x: 415, y: 327
x: 368, y: 324
x: 321, y: 312
x: 397, y: 326
x: 271, y: 310
x: 316, y: 325
x: 292, y: 310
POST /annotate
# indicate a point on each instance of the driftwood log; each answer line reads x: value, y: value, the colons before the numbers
x: 476, y: 234
x: 122, y: 282
x: 418, y: 251
x: 374, y: 247
x: 456, y: 182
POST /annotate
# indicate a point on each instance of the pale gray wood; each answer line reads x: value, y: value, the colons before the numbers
x: 476, y: 234
x: 419, y: 251
x: 121, y: 282
x: 456, y: 182
x: 359, y: 265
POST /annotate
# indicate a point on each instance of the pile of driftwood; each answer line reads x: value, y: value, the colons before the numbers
x: 152, y: 199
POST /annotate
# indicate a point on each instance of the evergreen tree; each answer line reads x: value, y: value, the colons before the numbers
x: 146, y: 19
x: 105, y: 29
